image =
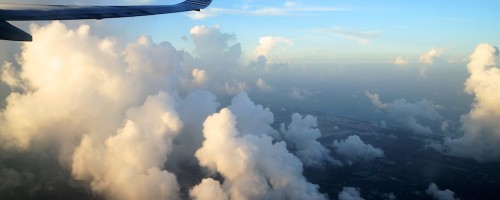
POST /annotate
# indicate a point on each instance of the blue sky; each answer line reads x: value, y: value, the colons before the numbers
x: 339, y: 31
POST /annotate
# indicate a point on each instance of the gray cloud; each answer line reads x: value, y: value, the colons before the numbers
x: 303, y: 133
x: 354, y: 149
x: 350, y: 193
x: 408, y: 113
x: 438, y: 194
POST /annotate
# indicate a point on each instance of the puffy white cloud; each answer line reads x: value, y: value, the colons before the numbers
x: 216, y: 57
x: 408, y: 113
x: 199, y: 76
x: 438, y: 194
x: 303, y: 133
x: 350, y: 193
x: 254, y: 119
x: 400, y: 61
x: 375, y: 99
x: 258, y: 169
x: 212, y: 45
x: 208, y: 189
x: 428, y: 57
x: 148, y: 134
x: 481, y: 126
x: 354, y: 149
x: 263, y: 86
x: 268, y: 43
x: 91, y: 99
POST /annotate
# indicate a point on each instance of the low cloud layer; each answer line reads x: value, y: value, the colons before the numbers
x: 438, y: 194
x: 400, y: 61
x: 481, y: 130
x: 303, y: 133
x: 350, y: 193
x: 354, y: 149
x: 408, y: 113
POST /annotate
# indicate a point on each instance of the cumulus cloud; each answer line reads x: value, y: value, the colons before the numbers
x: 408, y: 113
x: 400, y: 61
x: 199, y: 76
x: 438, y: 194
x: 268, y: 43
x: 350, y: 193
x: 208, y: 189
x: 375, y: 99
x: 211, y: 45
x: 481, y: 128
x: 428, y: 57
x: 354, y: 149
x: 303, y: 133
x: 254, y: 119
x: 148, y: 134
x: 90, y: 99
x: 217, y: 60
x: 114, y: 115
x: 258, y: 169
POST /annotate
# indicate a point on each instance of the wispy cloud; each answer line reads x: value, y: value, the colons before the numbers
x: 289, y: 8
x: 362, y: 37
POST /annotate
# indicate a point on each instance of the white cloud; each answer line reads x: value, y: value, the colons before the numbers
x: 254, y: 119
x: 354, y: 149
x: 208, y: 189
x: 303, y: 133
x: 268, y: 43
x: 375, y: 99
x: 200, y: 76
x: 88, y: 99
x: 350, y: 193
x: 400, y: 61
x: 437, y: 194
x: 289, y: 8
x: 481, y: 127
x: 258, y: 169
x: 428, y: 57
x: 362, y: 37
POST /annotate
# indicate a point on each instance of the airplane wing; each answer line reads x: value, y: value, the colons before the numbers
x: 32, y: 12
